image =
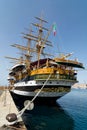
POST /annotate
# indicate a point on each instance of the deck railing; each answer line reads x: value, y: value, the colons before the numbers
x: 55, y: 77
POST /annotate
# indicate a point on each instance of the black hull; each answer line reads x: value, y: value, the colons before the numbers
x: 46, y: 114
x: 39, y: 101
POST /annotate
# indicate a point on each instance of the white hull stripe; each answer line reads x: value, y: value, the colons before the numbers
x: 42, y: 94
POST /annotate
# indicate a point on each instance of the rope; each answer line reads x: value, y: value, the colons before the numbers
x: 22, y: 111
x: 15, y: 127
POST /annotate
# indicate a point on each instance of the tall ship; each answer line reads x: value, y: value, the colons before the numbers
x: 38, y: 75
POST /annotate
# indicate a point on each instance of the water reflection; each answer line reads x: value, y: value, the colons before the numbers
x: 48, y: 118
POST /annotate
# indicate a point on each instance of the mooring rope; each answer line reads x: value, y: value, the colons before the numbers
x: 20, y: 113
x: 29, y: 103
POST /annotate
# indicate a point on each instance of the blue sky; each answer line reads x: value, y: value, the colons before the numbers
x: 70, y: 17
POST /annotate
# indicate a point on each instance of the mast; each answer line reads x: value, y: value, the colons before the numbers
x: 36, y: 43
x: 28, y: 50
x: 41, y: 41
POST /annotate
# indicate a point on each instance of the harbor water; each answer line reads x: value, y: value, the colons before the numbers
x: 69, y: 114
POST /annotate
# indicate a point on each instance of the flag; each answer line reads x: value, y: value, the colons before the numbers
x: 54, y: 29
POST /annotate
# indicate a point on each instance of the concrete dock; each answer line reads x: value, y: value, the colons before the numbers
x: 7, y: 106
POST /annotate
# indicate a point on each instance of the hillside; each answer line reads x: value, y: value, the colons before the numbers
x: 79, y: 85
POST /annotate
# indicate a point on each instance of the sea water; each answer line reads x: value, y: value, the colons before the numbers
x: 69, y: 114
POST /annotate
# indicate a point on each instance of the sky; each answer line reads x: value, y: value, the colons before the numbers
x: 70, y: 17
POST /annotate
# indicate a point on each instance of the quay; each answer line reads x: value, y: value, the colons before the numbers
x: 7, y: 106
